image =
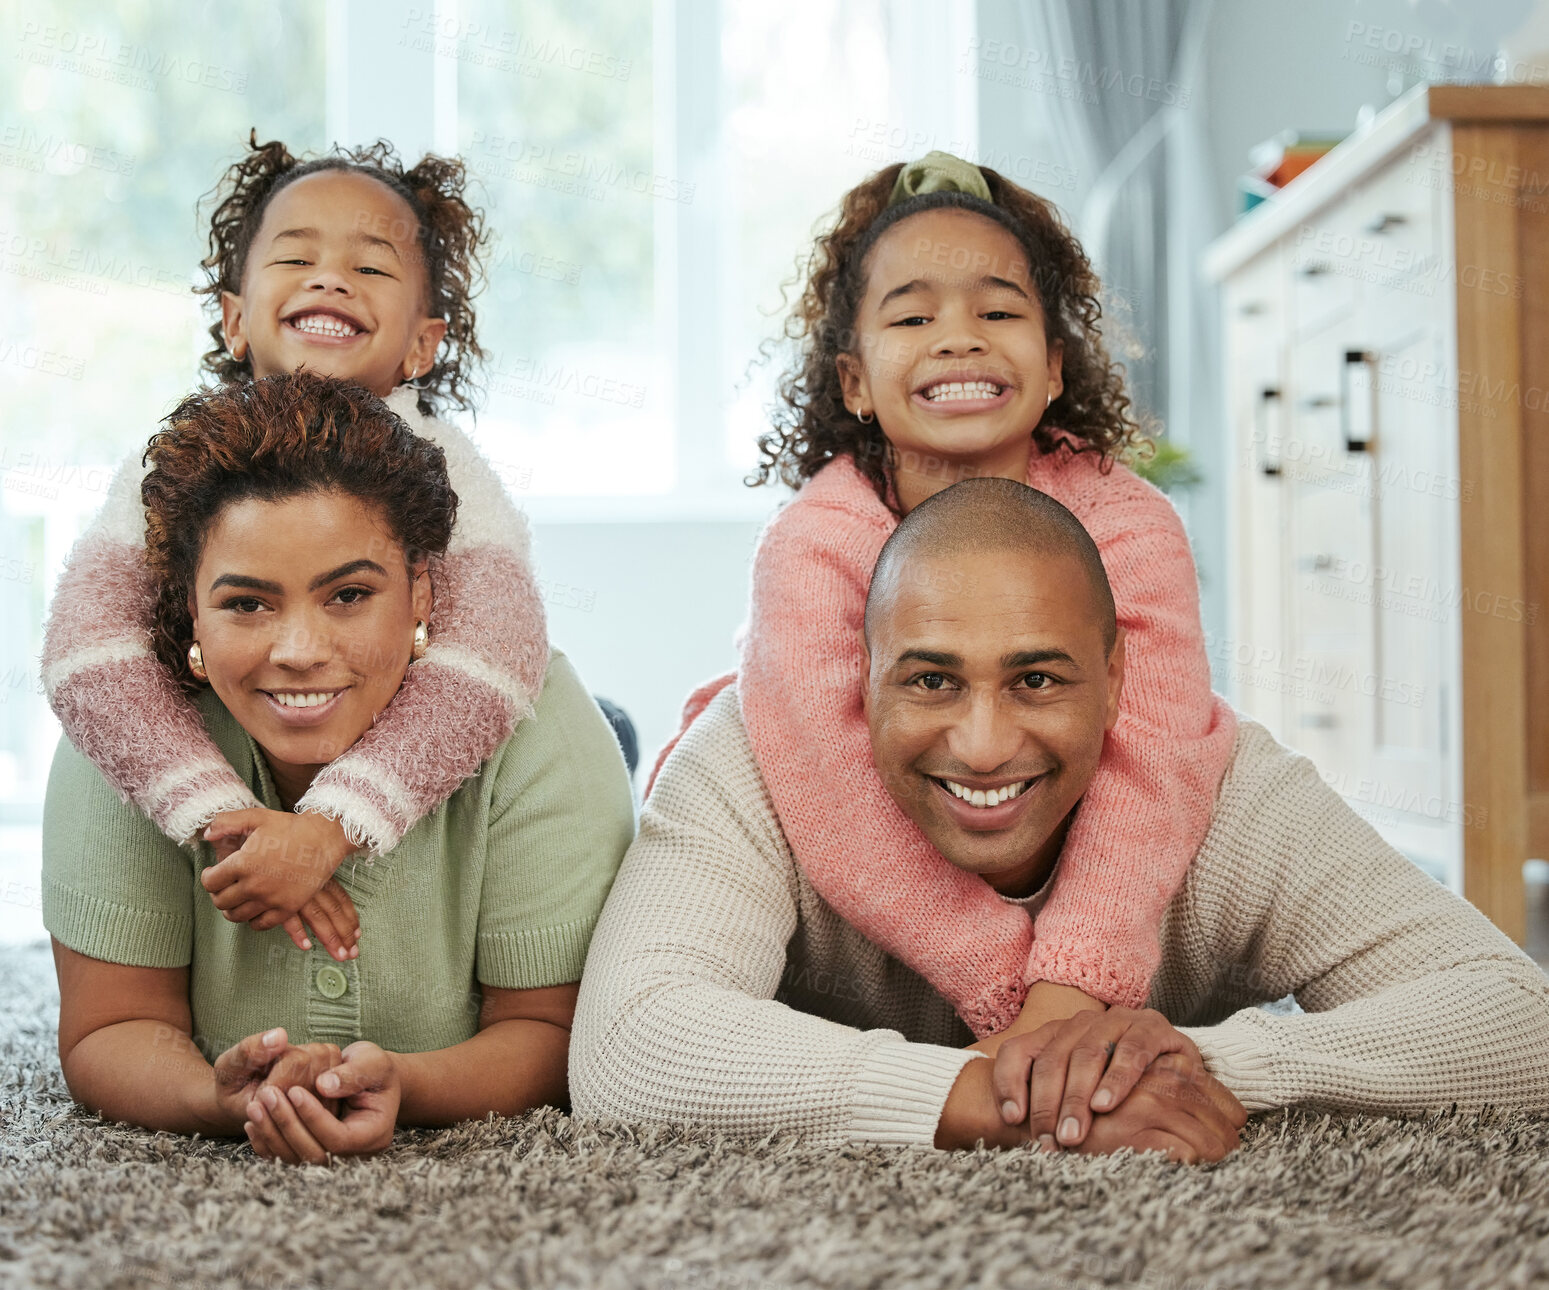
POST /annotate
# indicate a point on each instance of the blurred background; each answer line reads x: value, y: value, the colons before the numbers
x: 652, y: 170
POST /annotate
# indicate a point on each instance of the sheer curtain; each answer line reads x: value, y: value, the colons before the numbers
x: 1130, y: 121
x: 1127, y: 96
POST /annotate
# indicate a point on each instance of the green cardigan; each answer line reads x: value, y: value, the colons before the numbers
x: 501, y: 884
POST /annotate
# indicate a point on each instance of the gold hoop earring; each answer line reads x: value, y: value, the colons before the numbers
x: 196, y: 662
x: 865, y: 418
x: 421, y: 638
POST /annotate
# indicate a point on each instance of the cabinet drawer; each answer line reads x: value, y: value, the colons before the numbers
x: 1393, y: 217
x: 1254, y: 309
x: 1323, y: 268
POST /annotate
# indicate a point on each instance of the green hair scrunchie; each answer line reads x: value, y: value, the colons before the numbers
x: 939, y: 172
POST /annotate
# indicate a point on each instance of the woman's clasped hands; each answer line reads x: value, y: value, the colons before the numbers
x: 304, y: 1103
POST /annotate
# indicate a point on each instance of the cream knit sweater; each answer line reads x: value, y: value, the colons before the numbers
x: 721, y: 990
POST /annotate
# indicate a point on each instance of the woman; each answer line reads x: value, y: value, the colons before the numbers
x: 291, y: 524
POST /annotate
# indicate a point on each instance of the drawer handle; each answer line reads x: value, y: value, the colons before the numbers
x: 1268, y: 404
x: 1316, y: 269
x: 1387, y: 220
x: 1316, y: 563
x: 1359, y: 419
x: 1317, y: 402
x: 1318, y: 721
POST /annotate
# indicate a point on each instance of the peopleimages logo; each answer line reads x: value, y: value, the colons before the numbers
x: 107, y: 58
x: 1394, y: 797
x: 41, y: 257
x: 1263, y: 666
x: 1077, y: 73
x: 48, y: 149
x: 1396, y: 589
x: 504, y: 47
x: 532, y: 159
x: 32, y: 473
x: 1408, y: 44
x: 880, y: 142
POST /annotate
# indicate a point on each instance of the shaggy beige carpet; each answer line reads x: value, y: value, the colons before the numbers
x: 1450, y: 1202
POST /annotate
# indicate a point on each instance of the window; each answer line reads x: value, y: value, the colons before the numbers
x: 651, y: 171
x: 555, y: 120
x: 111, y: 127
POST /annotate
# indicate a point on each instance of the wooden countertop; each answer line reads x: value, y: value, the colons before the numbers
x: 1487, y: 102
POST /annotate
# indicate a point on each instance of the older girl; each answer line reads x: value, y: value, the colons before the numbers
x: 949, y: 328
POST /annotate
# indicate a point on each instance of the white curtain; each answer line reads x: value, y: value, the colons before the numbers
x: 1130, y: 122
x: 1128, y: 96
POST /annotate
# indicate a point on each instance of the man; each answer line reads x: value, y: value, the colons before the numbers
x: 722, y: 991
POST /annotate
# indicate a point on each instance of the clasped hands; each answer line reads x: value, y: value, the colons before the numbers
x: 1094, y: 1083
x: 275, y: 869
x: 302, y: 1103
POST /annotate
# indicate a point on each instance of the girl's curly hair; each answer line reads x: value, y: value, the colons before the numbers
x: 451, y: 239
x: 272, y: 439
x: 812, y: 424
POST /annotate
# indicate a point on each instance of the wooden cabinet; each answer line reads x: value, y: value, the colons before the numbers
x: 1386, y: 360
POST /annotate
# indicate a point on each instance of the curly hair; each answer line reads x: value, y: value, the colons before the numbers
x: 452, y: 238
x: 813, y: 426
x: 271, y: 439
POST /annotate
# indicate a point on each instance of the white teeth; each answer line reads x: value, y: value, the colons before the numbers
x: 985, y: 797
x: 324, y: 325
x: 947, y: 391
x: 303, y: 700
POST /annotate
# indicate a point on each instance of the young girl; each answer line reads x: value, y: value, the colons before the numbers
x: 949, y: 328
x: 350, y: 266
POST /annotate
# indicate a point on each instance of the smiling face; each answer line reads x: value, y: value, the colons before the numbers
x: 988, y: 697
x: 304, y: 611
x: 950, y: 351
x: 335, y: 283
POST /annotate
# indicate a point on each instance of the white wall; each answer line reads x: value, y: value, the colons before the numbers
x: 1269, y: 66
x: 666, y: 599
x: 1310, y: 66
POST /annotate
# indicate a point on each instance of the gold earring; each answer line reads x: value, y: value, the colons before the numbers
x: 196, y: 662
x: 421, y: 637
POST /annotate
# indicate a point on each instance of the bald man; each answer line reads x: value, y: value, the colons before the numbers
x: 722, y: 991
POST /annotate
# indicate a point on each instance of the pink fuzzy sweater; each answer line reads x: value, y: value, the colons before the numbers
x: 1140, y: 823
x: 485, y: 665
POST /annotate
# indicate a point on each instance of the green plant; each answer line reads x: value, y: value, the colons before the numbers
x: 1163, y: 463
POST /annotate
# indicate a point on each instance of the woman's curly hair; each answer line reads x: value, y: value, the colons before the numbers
x: 451, y: 238
x: 812, y: 424
x: 272, y: 439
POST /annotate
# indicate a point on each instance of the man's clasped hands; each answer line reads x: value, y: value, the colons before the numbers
x: 1094, y: 1082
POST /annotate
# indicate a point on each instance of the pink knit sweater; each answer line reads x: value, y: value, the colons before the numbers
x: 1140, y: 823
x: 485, y: 666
